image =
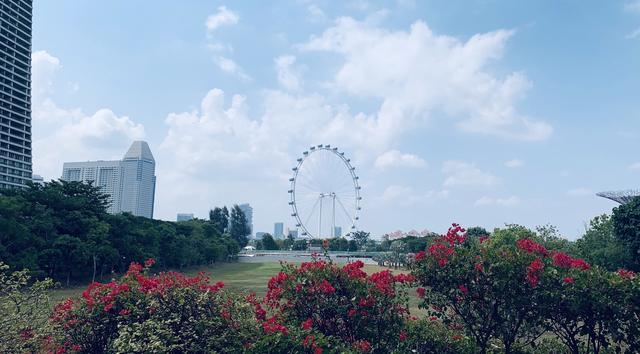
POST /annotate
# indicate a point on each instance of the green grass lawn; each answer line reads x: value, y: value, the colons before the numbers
x: 243, y: 277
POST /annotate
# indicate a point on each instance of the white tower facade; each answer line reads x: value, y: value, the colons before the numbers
x: 130, y: 183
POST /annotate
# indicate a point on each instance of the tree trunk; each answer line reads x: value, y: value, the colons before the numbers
x: 68, y: 277
x: 93, y: 278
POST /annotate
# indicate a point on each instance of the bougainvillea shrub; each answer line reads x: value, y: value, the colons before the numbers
x: 511, y: 289
x: 366, y: 312
x: 168, y: 312
x: 430, y: 336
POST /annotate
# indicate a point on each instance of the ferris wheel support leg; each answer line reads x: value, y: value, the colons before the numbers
x: 320, y: 218
x: 333, y: 216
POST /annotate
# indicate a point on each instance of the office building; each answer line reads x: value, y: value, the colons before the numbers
x: 337, y: 231
x: 260, y: 234
x: 130, y: 183
x: 278, y: 230
x: 15, y: 93
x: 248, y: 213
x: 37, y: 179
x: 184, y: 217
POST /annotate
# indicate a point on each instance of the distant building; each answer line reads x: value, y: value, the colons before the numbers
x: 278, y: 230
x: 37, y: 179
x: 260, y: 234
x: 130, y: 183
x: 292, y: 233
x: 337, y: 231
x: 15, y: 93
x: 184, y: 217
x: 248, y: 213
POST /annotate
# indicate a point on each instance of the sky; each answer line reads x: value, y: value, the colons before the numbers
x: 480, y: 112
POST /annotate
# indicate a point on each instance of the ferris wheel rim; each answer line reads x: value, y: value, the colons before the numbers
x: 354, y: 179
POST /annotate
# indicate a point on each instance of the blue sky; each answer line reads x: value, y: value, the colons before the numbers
x: 480, y: 112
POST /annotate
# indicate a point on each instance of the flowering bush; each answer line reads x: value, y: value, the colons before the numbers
x: 511, y: 288
x: 168, y: 312
x: 366, y: 312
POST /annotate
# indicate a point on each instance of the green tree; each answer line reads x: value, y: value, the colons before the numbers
x: 477, y: 231
x: 626, y: 227
x: 361, y: 238
x: 600, y: 246
x: 219, y: 218
x: 238, y: 227
x: 268, y: 243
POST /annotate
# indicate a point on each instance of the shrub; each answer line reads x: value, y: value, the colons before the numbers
x: 24, y: 311
x: 366, y: 312
x: 165, y: 313
x: 512, y: 289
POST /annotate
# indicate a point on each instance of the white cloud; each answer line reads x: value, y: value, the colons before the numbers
x: 229, y: 66
x: 634, y: 34
x: 288, y: 76
x: 61, y: 134
x: 223, y: 17
x: 315, y: 14
x: 514, y: 163
x: 430, y: 72
x: 579, y: 192
x: 44, y: 68
x: 633, y: 6
x: 463, y: 174
x: 504, y: 202
x: 406, y: 196
x: 394, y: 158
x: 635, y: 166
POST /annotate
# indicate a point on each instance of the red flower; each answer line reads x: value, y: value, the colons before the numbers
x: 463, y: 288
x: 403, y: 335
x: 568, y: 280
x: 108, y: 307
x: 420, y: 291
x: 404, y: 278
x: 124, y: 312
x: 626, y: 274
x: 533, y: 272
x: 479, y: 267
x: 580, y: 263
x: 441, y: 253
x: 354, y: 270
x: 352, y: 312
x: 483, y: 238
x: 362, y: 345
x: 308, y: 341
x: 456, y: 337
x: 562, y: 260
x: 530, y: 246
x: 326, y: 287
x: 420, y: 256
x: 149, y: 262
x: 433, y: 318
x: 306, y: 325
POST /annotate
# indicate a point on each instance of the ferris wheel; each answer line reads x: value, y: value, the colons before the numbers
x: 325, y: 193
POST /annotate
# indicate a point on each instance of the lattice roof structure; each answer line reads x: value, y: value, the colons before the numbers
x: 622, y: 197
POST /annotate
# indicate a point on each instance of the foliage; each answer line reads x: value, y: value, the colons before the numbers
x: 23, y: 311
x: 511, y: 288
x: 477, y: 231
x: 62, y: 230
x: 361, y: 237
x: 600, y: 246
x: 219, y: 218
x: 165, y: 313
x: 239, y: 228
x: 430, y: 336
x: 268, y: 243
x: 366, y: 312
x: 626, y: 226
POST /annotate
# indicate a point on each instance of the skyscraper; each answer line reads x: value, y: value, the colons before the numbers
x: 130, y: 183
x: 15, y: 93
x: 248, y: 213
x: 278, y: 230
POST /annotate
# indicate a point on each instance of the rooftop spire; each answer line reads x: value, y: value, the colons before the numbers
x: 139, y: 150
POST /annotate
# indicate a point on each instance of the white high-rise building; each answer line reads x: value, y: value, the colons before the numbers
x: 130, y: 183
